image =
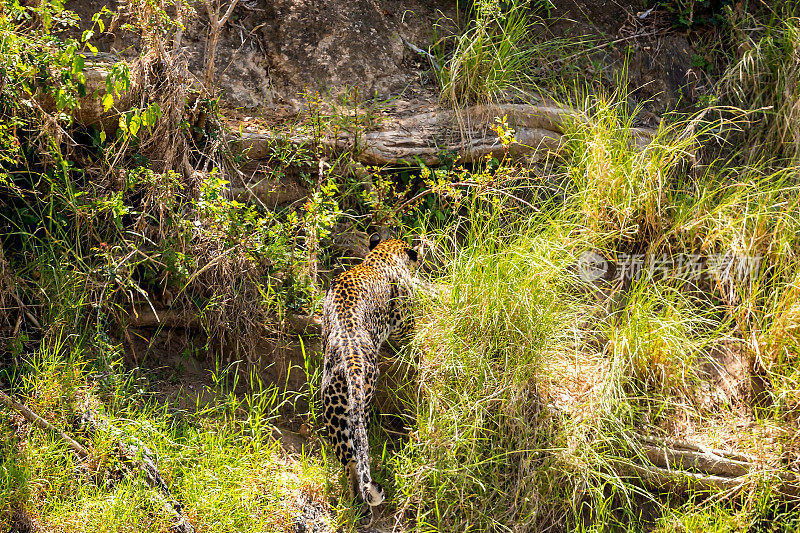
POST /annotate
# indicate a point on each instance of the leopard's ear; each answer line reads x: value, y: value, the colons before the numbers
x: 412, y: 254
x: 374, y: 240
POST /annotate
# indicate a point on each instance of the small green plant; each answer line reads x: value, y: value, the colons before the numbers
x: 694, y: 13
x: 490, y: 57
x: 321, y: 211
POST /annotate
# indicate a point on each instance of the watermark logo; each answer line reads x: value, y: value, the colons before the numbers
x: 592, y: 266
x: 730, y: 266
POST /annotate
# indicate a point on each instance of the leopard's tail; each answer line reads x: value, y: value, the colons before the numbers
x: 371, y: 492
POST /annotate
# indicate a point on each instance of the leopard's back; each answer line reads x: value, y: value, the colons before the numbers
x: 363, y: 307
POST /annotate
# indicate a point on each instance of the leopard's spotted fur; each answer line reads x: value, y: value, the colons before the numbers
x: 364, y: 306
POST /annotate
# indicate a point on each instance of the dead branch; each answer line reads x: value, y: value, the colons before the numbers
x: 589, y: 51
x: 24, y: 309
x: 424, y: 53
x: 305, y: 324
x: 135, y: 453
x: 41, y: 423
x: 177, y: 38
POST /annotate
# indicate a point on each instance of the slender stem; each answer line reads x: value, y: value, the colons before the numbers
x: 41, y: 423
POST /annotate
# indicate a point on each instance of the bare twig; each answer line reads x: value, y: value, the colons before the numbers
x: 410, y: 202
x: 24, y: 309
x: 609, y: 43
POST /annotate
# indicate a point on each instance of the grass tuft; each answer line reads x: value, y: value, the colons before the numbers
x: 766, y: 80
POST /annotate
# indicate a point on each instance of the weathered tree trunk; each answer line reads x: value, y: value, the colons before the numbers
x: 431, y: 136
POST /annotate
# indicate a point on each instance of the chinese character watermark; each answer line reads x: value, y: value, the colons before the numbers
x: 727, y: 266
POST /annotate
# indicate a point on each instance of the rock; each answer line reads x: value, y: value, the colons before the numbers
x: 270, y: 51
x: 270, y: 188
x: 313, y: 518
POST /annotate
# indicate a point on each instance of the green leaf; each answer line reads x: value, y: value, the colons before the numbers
x: 135, y: 124
x: 151, y: 115
x: 108, y: 101
x: 77, y: 63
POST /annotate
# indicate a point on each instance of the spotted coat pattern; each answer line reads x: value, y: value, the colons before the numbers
x: 364, y: 306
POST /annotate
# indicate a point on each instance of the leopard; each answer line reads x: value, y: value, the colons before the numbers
x: 364, y: 307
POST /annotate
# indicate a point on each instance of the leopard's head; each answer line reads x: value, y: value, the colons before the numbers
x: 396, y: 249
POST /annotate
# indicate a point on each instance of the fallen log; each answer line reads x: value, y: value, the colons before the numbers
x: 430, y: 136
x: 305, y: 324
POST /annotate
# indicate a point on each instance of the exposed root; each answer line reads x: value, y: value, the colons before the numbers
x: 681, y: 466
x: 426, y: 137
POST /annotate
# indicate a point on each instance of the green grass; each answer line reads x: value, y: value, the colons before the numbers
x: 220, y: 462
x: 500, y: 53
x: 622, y: 180
x: 489, y: 56
x: 532, y: 382
x: 766, y: 81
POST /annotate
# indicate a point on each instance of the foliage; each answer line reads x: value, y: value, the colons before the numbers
x: 216, y: 457
x: 694, y: 13
x: 123, y: 211
x: 530, y: 382
x: 764, y: 80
